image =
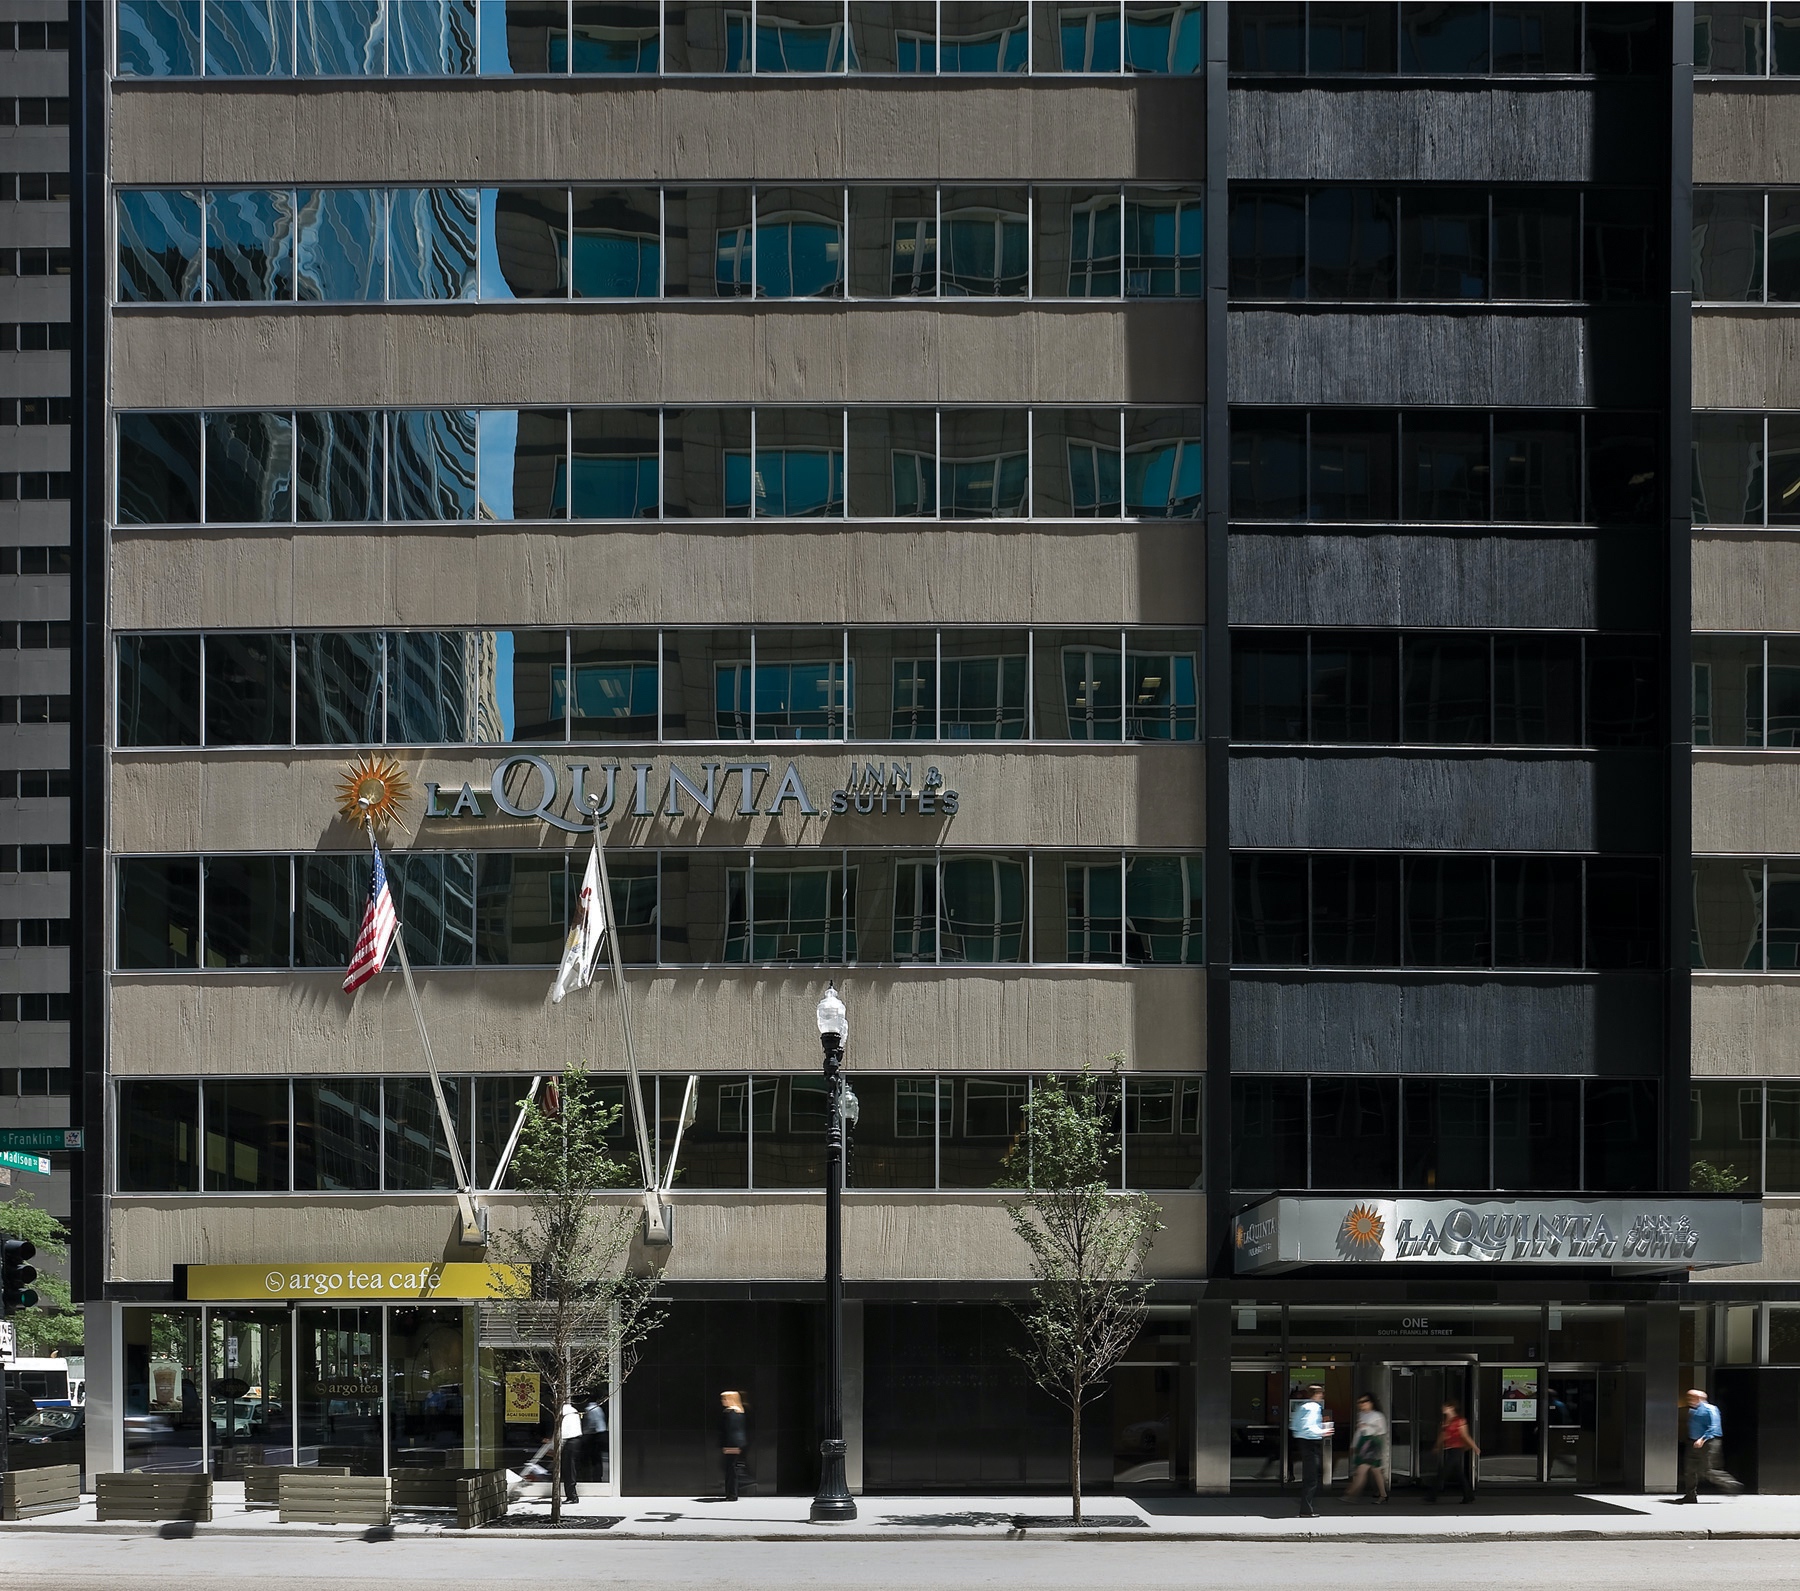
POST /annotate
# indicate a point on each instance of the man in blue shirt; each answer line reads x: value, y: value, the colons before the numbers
x: 1700, y: 1455
x: 1308, y: 1428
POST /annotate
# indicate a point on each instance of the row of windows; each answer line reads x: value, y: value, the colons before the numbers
x: 17, y: 931
x: 36, y: 411
x: 34, y: 709
x: 1746, y: 1130
x: 673, y: 908
x: 1746, y: 246
x: 1746, y: 914
x: 27, y: 336
x: 34, y: 112
x: 1746, y: 469
x: 32, y: 784
x: 34, y: 35
x: 1512, y: 37
x: 33, y: 637
x: 37, y: 262
x: 440, y: 687
x: 1517, y: 466
x: 1746, y: 38
x: 33, y: 1081
x: 364, y: 1134
x: 35, y: 858
x: 1512, y: 912
x: 1344, y: 687
x: 29, y: 186
x: 34, y: 560
x: 365, y: 245
x: 274, y: 38
x: 276, y: 467
x: 34, y: 486
x: 1386, y: 243
x: 1747, y: 691
x: 1444, y: 1134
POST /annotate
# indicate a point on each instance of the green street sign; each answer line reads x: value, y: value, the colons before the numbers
x: 39, y: 1140
x: 38, y: 1163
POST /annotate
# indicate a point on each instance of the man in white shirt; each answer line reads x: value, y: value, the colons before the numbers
x: 1308, y: 1429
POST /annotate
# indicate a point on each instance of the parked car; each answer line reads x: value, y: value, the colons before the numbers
x: 47, y: 1426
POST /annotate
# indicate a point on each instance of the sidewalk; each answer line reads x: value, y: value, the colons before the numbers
x: 1494, y: 1517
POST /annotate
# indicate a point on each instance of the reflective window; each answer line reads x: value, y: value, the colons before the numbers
x: 432, y: 243
x: 615, y: 680
x: 158, y: 700
x: 246, y: 1123
x: 893, y: 242
x: 1164, y: 469
x: 158, y: 469
x: 344, y: 39
x: 1078, y: 463
x: 524, y: 243
x: 1165, y: 38
x: 986, y: 242
x: 522, y: 694
x: 984, y: 37
x: 615, y: 243
x: 250, y: 244
x: 159, y: 246
x: 1082, y: 38
x: 893, y: 463
x: 158, y: 912
x: 249, y: 38
x: 249, y: 468
x: 159, y: 1136
x: 330, y: 895
x: 523, y: 464
x: 341, y: 465
x: 1164, y: 917
x: 429, y: 680
x: 249, y: 688
x: 1728, y: 246
x: 431, y: 38
x: 337, y: 698
x: 982, y: 916
x: 706, y: 459
x: 435, y: 897
x: 799, y: 472
x: 1350, y: 38
x: 343, y: 244
x: 610, y: 38
x: 433, y: 474
x: 521, y: 908
x: 1079, y: 684
x: 158, y: 38
x: 1350, y: 243
x: 337, y: 1134
x: 1268, y: 244
x: 799, y: 243
x: 982, y: 465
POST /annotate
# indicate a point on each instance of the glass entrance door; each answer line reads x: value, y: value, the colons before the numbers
x: 1419, y: 1393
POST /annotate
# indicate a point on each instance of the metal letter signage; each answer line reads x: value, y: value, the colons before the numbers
x: 1639, y: 1233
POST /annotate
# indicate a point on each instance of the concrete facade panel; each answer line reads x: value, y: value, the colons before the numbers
x: 1746, y: 580
x: 1746, y: 132
x: 1747, y: 804
x: 1000, y: 1019
x: 1746, y: 358
x: 1746, y: 1025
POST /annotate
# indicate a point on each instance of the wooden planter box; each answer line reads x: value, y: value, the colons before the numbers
x: 262, y: 1482
x: 310, y: 1497
x: 480, y: 1497
x: 428, y: 1488
x: 139, y: 1494
x: 44, y: 1489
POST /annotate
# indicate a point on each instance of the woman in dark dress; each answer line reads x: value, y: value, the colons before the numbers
x: 734, y: 1437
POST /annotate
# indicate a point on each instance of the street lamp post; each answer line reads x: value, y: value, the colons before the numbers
x: 833, y: 1503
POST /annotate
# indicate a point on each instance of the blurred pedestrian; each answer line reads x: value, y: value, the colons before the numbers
x: 1309, y: 1428
x: 1457, y: 1453
x: 593, y: 1440
x: 571, y: 1452
x: 1705, y: 1442
x: 1368, y: 1452
x: 734, y: 1437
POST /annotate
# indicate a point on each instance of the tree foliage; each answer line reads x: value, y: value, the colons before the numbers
x: 1705, y: 1177
x: 53, y: 1325
x: 583, y: 1309
x: 1088, y: 1244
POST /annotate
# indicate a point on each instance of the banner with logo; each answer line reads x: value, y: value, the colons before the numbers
x: 1519, y: 1394
x: 521, y: 1397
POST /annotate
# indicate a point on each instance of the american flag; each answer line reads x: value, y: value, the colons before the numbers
x: 376, y: 934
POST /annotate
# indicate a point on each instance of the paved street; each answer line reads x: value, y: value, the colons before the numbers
x: 107, y: 1563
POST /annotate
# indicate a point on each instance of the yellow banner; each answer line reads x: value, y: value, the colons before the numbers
x: 357, y: 1280
x: 521, y: 1397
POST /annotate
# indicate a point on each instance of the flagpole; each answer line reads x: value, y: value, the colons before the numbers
x: 610, y: 929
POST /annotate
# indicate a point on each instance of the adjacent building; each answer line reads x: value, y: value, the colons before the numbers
x: 1147, y: 530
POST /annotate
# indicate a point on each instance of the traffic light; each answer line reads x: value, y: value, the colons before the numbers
x: 16, y: 1274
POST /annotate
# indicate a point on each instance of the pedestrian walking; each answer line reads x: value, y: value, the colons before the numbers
x: 734, y: 1437
x: 1368, y: 1451
x: 571, y: 1450
x: 1457, y: 1453
x: 1309, y: 1428
x: 1705, y: 1442
x: 593, y: 1440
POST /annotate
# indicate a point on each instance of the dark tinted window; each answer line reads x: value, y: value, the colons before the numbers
x: 1623, y: 1128
x: 1355, y: 1132
x: 1268, y: 244
x: 1619, y: 242
x: 1624, y: 484
x: 1269, y: 910
x: 337, y: 1133
x: 1443, y: 243
x: 159, y: 690
x: 1537, y: 468
x: 1350, y: 38
x: 1445, y: 1144
x: 1444, y: 466
x: 246, y: 911
x: 1537, y: 911
x: 1350, y: 242
x: 1354, y: 689
x: 1536, y: 243
x: 1351, y: 465
x: 1443, y: 38
x: 1537, y: 1133
x: 1267, y: 38
x: 1537, y: 36
x: 1622, y: 691
x: 249, y: 690
x: 159, y: 469
x: 1537, y: 690
x: 1268, y: 464
x: 1355, y: 911
x: 159, y: 1137
x: 1268, y: 687
x: 1447, y: 912
x: 1445, y: 690
x: 1624, y: 913
x: 1268, y: 1130
x: 247, y: 1137
x: 158, y: 912
x: 1626, y: 38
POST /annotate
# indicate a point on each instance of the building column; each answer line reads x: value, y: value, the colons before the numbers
x: 1210, y: 1460
x: 1662, y: 1394
x: 105, y: 1341
x: 853, y: 1395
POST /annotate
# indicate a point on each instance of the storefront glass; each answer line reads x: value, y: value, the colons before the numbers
x: 249, y: 1365
x: 164, y: 1417
x: 340, y: 1400
x: 425, y: 1408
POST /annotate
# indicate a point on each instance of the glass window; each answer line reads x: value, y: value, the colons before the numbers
x: 1536, y: 243
x: 801, y: 692
x: 524, y: 236
x: 1728, y: 478
x: 159, y: 244
x: 159, y: 38
x: 1537, y: 911
x: 1623, y: 691
x: 1784, y: 247
x: 1731, y: 39
x: 715, y: 1147
x: 893, y: 241
x: 1447, y: 921
x: 800, y: 243
x: 893, y: 675
x: 431, y: 38
x: 616, y: 242
x: 982, y: 470
x: 249, y: 38
x: 1268, y: 686
x: 1165, y: 38
x: 1355, y: 911
x: 1269, y: 911
x: 787, y: 1132
x: 611, y: 38
x: 1782, y: 1170
x: 416, y: 1155
x: 159, y: 1137
x: 987, y: 244
x: 1784, y: 470
x: 1728, y: 246
x: 246, y: 1137
x: 893, y: 38
x: 803, y: 36
x: 982, y: 909
x: 430, y: 673
x: 523, y: 464
x: 343, y: 242
x: 1079, y: 910
x: 983, y: 37
x: 158, y: 912
x: 706, y: 463
x: 159, y: 690
x: 1537, y: 1134
x: 250, y: 244
x: 1078, y: 38
x: 1727, y: 915
x: 1162, y: 685
x: 1080, y: 685
x: 1268, y: 244
x: 521, y: 908
x: 1621, y: 243
x: 1349, y: 38
x: 778, y: 912
x: 1164, y: 470
x: 894, y: 1143
x: 799, y: 471
x: 432, y: 243
x: 246, y: 901
x: 1268, y: 1131
x: 1164, y: 1147
x: 331, y: 893
x: 1355, y: 1132
x: 893, y: 463
x: 695, y: 663
x: 1352, y: 686
x: 435, y: 897
x: 1725, y: 1133
x: 1268, y: 464
x: 159, y: 469
x: 1624, y: 913
x: 434, y: 464
x: 615, y: 685
x: 249, y: 689
x: 1165, y: 236
x: 345, y: 39
x: 1164, y: 911
x: 1445, y: 690
x: 341, y: 458
x: 340, y: 1400
x: 707, y: 232
x: 615, y: 466
x: 981, y: 685
x: 1441, y: 38
x: 249, y: 468
x: 1728, y: 690
x: 1443, y: 244
x: 1623, y: 1128
x: 252, y: 1403
x: 1537, y: 38
x: 1080, y: 242
x: 1783, y: 692
x: 338, y: 688
x: 524, y: 36
x: 337, y: 1134
x: 1537, y: 690
x: 425, y: 1361
x: 1537, y: 468
x: 1444, y: 466
x: 987, y: 1115
x: 1078, y: 464
x: 695, y: 905
x: 1444, y: 1144
x: 1349, y: 243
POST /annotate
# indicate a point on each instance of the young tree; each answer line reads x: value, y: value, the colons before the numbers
x: 53, y: 1325
x: 1088, y: 1244
x: 582, y: 1307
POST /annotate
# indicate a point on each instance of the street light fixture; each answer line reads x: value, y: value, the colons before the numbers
x: 833, y: 1503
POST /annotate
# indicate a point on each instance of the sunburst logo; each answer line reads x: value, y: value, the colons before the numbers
x: 1363, y: 1227
x: 372, y: 790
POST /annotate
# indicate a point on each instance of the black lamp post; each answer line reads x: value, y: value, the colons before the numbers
x: 833, y: 1503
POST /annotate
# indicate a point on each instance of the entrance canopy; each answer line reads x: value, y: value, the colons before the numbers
x: 1636, y: 1233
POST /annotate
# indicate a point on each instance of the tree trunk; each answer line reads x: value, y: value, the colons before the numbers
x: 556, y: 1460
x: 1075, y: 1464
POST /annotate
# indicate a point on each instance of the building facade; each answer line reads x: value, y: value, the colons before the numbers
x: 1151, y: 530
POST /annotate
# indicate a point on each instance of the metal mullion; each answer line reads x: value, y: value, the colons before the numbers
x: 662, y: 70
x: 1309, y: 911
x: 1124, y: 876
x: 1030, y: 908
x: 1764, y: 421
x: 662, y: 444
x: 1581, y: 697
x: 844, y: 683
x: 1031, y: 414
x: 1763, y: 927
x: 1765, y: 232
x: 937, y: 906
x: 386, y: 1413
x: 569, y: 431
x: 1763, y: 1139
x: 381, y: 1133
x: 749, y: 1121
x: 1581, y: 1140
x: 750, y: 683
x: 293, y: 646
x: 1763, y: 645
x: 201, y: 638
x: 661, y: 635
x: 1493, y: 1167
x: 937, y: 39
x: 1030, y: 685
x: 937, y: 684
x: 937, y: 199
x: 290, y: 1081
x: 206, y: 1386
x: 1306, y: 1095
x: 937, y: 1128
x: 1031, y: 232
x: 293, y: 252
